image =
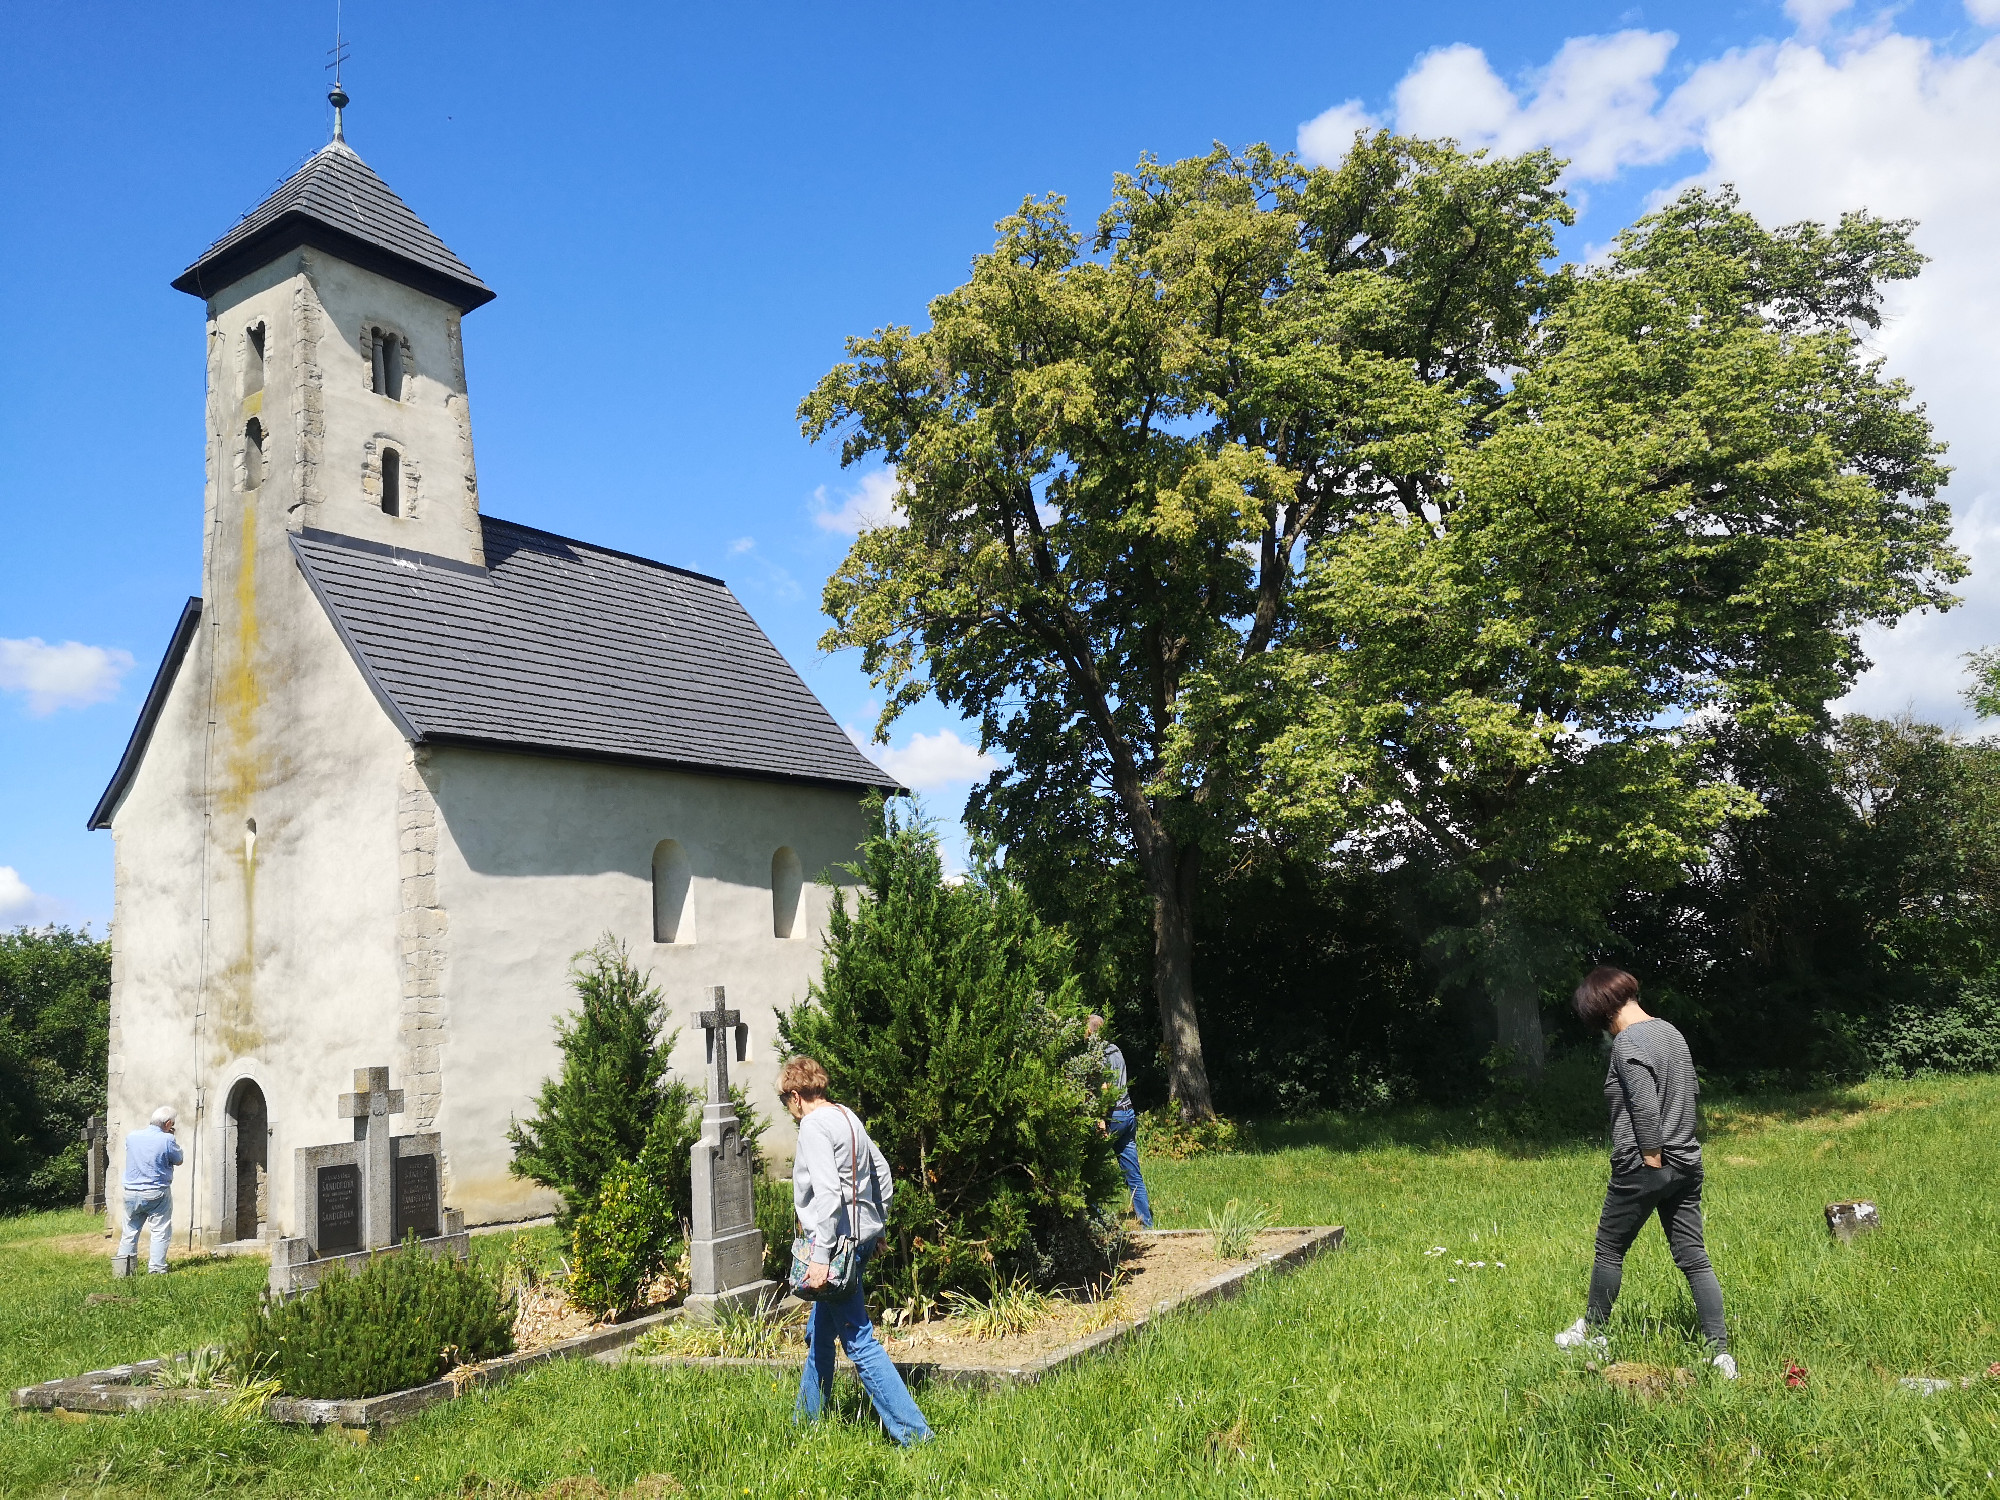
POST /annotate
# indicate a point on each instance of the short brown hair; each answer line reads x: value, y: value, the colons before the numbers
x: 802, y: 1076
x: 1604, y: 992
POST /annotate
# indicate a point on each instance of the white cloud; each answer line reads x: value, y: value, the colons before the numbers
x: 71, y: 675
x: 928, y: 761
x: 1326, y: 137
x: 1813, y: 16
x: 1882, y: 121
x: 741, y: 545
x: 17, y: 903
x: 1597, y: 103
x: 870, y: 504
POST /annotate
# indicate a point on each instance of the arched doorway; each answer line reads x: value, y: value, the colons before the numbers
x: 248, y: 1161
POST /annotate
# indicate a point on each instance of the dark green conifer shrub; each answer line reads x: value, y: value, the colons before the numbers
x: 948, y: 1017
x: 621, y: 1241
x: 614, y: 1083
x: 403, y: 1320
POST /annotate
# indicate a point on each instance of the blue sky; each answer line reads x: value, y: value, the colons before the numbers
x: 685, y: 211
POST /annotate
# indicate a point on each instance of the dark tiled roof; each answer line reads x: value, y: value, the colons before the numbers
x: 335, y: 203
x: 149, y: 715
x: 568, y: 649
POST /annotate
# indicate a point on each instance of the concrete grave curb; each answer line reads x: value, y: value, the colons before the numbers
x: 112, y: 1392
x: 1318, y: 1240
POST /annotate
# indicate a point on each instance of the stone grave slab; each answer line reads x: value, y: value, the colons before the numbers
x: 359, y: 1197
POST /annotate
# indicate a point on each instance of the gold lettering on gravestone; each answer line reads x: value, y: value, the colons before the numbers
x: 416, y: 1182
x: 734, y: 1200
x: 339, y: 1205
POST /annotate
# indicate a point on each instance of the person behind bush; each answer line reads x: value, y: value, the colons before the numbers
x: 1655, y: 1159
x: 151, y: 1154
x: 838, y: 1165
x: 1124, y: 1125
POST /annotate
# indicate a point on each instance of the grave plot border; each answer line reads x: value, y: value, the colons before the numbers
x: 1318, y: 1240
x: 112, y: 1392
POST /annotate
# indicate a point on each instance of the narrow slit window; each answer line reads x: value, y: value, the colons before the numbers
x: 673, y: 908
x: 385, y: 355
x: 253, y: 455
x: 392, y: 482
x: 253, y: 361
x: 787, y: 886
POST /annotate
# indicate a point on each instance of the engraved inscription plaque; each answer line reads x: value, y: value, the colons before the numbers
x: 339, y: 1209
x: 416, y: 1196
x: 735, y: 1200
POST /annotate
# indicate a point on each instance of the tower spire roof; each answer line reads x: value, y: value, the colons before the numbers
x: 337, y: 204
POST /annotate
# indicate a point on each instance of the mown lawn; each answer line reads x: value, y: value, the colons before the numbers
x: 1387, y: 1369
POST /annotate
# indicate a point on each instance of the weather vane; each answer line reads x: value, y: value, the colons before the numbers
x: 337, y: 96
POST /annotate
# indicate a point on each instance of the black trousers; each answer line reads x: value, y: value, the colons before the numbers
x: 1634, y: 1196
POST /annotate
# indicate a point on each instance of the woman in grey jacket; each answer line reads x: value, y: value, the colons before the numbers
x: 841, y: 1186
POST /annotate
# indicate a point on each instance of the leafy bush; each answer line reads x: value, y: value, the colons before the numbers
x: 1162, y: 1132
x: 55, y: 1007
x: 617, y: 1244
x: 776, y: 1219
x: 1232, y: 1232
x: 403, y: 1320
x: 947, y: 1016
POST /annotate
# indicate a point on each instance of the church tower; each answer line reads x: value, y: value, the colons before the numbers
x: 336, y: 373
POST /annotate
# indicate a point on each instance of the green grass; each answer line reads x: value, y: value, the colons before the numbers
x: 1369, y: 1372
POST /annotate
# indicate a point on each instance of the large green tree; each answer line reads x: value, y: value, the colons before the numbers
x: 55, y: 1008
x: 1113, y: 454
x: 1695, y: 487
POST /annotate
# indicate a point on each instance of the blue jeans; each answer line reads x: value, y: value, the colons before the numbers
x: 846, y: 1319
x: 1125, y: 1138
x: 153, y: 1209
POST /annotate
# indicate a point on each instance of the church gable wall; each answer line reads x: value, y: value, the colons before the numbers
x: 301, y: 963
x: 538, y: 858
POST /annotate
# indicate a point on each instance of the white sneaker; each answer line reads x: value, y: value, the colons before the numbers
x: 1579, y: 1336
x: 1726, y: 1363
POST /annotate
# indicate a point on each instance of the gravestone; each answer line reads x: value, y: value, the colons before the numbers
x: 360, y: 1197
x: 96, y: 1157
x: 1846, y: 1220
x: 725, y: 1250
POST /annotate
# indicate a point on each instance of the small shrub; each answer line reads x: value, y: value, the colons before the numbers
x: 621, y: 1241
x: 779, y: 1223
x: 1162, y: 1132
x: 1235, y: 1229
x: 402, y: 1321
x: 1010, y: 1308
x: 735, y: 1333
x: 202, y: 1370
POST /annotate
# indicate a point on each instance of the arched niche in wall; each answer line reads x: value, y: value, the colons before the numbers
x: 673, y: 894
x: 787, y: 889
x: 246, y: 1162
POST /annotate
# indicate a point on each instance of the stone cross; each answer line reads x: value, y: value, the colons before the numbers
x: 720, y: 1023
x: 94, y: 1152
x: 725, y: 1251
x: 370, y: 1106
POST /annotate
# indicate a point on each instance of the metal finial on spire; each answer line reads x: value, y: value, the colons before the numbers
x: 337, y: 96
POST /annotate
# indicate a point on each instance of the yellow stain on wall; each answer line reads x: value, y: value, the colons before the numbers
x: 241, y: 773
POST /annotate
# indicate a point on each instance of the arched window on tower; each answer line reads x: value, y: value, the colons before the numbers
x: 253, y: 455
x: 253, y: 360
x: 385, y: 353
x: 673, y: 903
x: 392, y: 482
x: 787, y: 887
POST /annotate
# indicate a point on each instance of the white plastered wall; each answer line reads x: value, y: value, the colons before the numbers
x: 538, y: 858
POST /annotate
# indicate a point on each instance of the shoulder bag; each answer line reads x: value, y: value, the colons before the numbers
x: 843, y: 1266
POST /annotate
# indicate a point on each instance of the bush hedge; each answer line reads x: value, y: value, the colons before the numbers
x: 404, y: 1320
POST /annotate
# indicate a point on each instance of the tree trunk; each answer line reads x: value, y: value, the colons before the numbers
x: 1171, y: 873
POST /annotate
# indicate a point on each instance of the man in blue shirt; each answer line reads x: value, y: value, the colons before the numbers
x: 150, y: 1158
x: 1123, y: 1125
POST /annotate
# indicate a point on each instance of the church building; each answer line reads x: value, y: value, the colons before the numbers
x: 402, y: 761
